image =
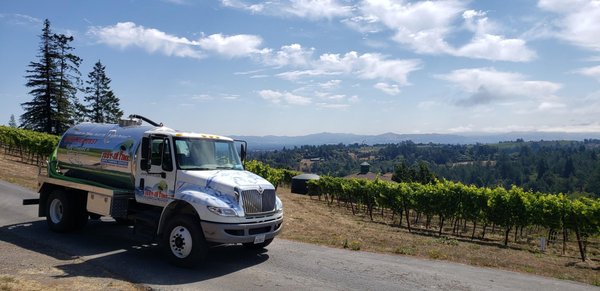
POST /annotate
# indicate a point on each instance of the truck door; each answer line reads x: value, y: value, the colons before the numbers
x: 159, y: 180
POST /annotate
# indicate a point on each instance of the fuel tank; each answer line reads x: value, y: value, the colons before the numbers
x: 99, y: 154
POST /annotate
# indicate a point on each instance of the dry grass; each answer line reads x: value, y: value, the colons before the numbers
x: 314, y: 221
x: 17, y: 172
x: 34, y: 283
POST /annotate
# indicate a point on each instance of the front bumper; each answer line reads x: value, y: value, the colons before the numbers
x: 230, y: 233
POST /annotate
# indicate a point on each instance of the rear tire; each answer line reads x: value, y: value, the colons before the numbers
x: 59, y: 212
x: 183, y: 242
x: 260, y: 246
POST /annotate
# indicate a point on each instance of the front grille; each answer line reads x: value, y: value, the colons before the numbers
x: 255, y: 203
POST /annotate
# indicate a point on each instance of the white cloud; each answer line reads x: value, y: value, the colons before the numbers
x: 421, y: 25
x: 486, y: 85
x: 578, y: 21
x: 376, y: 66
x: 496, y: 47
x: 127, y: 34
x: 425, y: 27
x: 254, y: 8
x: 591, y: 127
x: 459, y: 129
x: 289, y: 55
x: 331, y: 84
x: 318, y: 9
x: 332, y: 106
x: 548, y: 106
x: 240, y: 45
x: 387, y: 88
x: 330, y: 97
x: 309, y: 9
x: 202, y: 97
x: 593, y: 72
x: 369, y: 66
x: 21, y: 19
x: 278, y: 97
x: 252, y: 72
x: 363, y: 24
x: 478, y: 22
x: 295, y: 75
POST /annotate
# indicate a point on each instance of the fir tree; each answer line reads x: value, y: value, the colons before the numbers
x: 41, y: 75
x: 103, y: 105
x: 12, y: 122
x: 53, y: 79
x: 69, y: 80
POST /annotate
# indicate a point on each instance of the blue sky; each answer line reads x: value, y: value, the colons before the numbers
x: 294, y: 67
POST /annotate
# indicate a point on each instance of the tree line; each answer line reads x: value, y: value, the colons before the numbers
x: 570, y: 167
x: 55, y: 80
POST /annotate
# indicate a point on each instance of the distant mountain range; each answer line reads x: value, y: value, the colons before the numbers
x: 271, y: 142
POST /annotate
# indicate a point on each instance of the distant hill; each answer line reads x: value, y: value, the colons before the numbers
x: 272, y: 142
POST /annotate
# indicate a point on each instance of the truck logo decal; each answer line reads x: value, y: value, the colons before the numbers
x: 118, y: 159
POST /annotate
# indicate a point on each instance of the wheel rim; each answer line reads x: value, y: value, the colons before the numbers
x: 56, y: 211
x: 180, y: 242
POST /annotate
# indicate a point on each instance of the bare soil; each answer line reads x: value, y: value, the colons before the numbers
x: 315, y: 221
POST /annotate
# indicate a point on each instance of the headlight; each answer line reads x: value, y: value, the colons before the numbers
x: 222, y: 211
x: 278, y: 205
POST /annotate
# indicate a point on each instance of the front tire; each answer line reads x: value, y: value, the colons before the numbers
x: 183, y: 242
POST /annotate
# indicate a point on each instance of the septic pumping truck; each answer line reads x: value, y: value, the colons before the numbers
x: 188, y: 191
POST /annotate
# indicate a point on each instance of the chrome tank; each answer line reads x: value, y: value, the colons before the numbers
x: 100, y: 154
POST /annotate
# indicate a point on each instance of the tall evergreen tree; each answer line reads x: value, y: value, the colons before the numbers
x: 53, y: 79
x: 41, y: 75
x: 103, y: 105
x: 12, y: 122
x: 69, y: 80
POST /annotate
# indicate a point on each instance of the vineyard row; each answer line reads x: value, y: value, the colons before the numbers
x: 510, y: 209
x: 31, y: 146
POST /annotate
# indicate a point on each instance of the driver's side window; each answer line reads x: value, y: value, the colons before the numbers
x: 161, y: 153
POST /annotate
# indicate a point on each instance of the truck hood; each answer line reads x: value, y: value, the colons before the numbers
x: 219, y: 186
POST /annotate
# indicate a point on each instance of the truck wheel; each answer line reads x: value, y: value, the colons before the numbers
x: 59, y: 212
x: 262, y: 245
x: 183, y: 242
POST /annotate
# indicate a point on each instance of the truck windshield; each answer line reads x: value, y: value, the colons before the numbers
x: 206, y: 154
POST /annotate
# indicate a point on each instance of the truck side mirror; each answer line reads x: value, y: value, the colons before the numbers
x: 145, y: 159
x: 243, y: 153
